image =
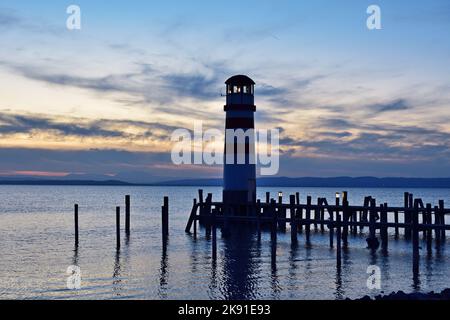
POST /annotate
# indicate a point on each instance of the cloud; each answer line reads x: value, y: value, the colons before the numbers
x: 196, y: 86
x: 9, y: 18
x: 396, y: 105
x: 142, y: 86
x: 103, y: 128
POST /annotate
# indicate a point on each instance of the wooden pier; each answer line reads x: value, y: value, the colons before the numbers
x: 340, y: 220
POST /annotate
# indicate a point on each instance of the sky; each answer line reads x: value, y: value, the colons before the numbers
x: 105, y: 99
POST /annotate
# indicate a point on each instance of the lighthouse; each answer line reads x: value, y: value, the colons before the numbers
x: 239, y: 176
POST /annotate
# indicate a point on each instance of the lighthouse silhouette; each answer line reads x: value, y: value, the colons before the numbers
x: 239, y: 187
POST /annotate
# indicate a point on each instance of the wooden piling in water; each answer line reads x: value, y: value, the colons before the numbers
x: 200, y: 196
x: 192, y: 219
x: 117, y: 228
x: 428, y: 231
x: 258, y: 216
x: 321, y: 215
x: 165, y: 218
x: 331, y: 227
x: 207, y: 213
x: 437, y: 222
x: 308, y: 219
x: 267, y: 197
x: 384, y: 228
x: 372, y: 241
x: 127, y: 214
x: 214, y: 234
x: 195, y: 217
x: 442, y: 215
x: 396, y: 224
x: 415, y: 241
x: 338, y: 241
x: 299, y: 213
x: 294, y: 230
x: 273, y: 214
x: 76, y: 224
x: 407, y: 216
x: 281, y: 214
x: 346, y: 216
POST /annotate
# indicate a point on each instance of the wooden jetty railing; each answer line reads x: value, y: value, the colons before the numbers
x: 339, y: 219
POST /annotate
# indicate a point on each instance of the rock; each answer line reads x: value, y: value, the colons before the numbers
x: 400, y: 295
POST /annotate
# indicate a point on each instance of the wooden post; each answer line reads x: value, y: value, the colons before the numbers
x: 258, y: 217
x: 415, y: 241
x: 299, y: 213
x: 76, y: 224
x: 442, y: 215
x: 192, y: 218
x: 214, y: 235
x: 321, y: 215
x: 207, y: 213
x: 200, y: 196
x: 384, y: 228
x: 428, y: 231
x: 316, y: 218
x: 127, y: 215
x: 195, y: 217
x: 437, y: 222
x: 331, y: 227
x: 338, y: 240
x: 273, y: 213
x: 294, y: 230
x: 165, y: 218
x: 354, y: 219
x: 281, y: 214
x: 396, y: 224
x: 267, y: 197
x: 365, y: 212
x: 308, y: 218
x: 411, y: 200
x: 118, y: 228
x: 372, y: 241
x: 346, y: 216
x: 407, y: 216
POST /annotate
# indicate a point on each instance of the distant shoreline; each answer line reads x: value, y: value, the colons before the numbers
x: 338, y: 182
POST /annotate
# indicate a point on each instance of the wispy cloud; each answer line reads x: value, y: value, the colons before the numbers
x: 396, y: 105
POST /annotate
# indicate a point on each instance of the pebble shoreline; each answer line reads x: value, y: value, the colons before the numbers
x: 400, y: 295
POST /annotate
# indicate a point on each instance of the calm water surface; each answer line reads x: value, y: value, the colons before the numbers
x: 36, y: 247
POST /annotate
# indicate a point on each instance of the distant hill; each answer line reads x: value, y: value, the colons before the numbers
x: 37, y: 182
x: 337, y: 182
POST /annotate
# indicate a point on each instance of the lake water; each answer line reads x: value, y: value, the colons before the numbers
x: 37, y: 247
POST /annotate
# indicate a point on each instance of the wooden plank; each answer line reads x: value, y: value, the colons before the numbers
x: 192, y: 218
x: 294, y: 230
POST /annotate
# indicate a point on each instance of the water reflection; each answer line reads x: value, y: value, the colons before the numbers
x: 117, y: 277
x: 240, y: 269
x: 339, y: 293
x: 163, y: 271
x: 75, y: 257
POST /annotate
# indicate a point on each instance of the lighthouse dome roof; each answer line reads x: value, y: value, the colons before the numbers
x: 240, y: 80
